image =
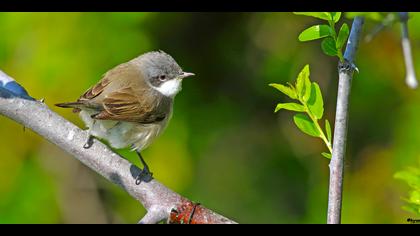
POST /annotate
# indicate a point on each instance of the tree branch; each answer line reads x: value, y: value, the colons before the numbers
x: 410, y: 74
x: 160, y: 202
x: 345, y: 71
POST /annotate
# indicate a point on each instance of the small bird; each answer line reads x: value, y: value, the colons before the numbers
x: 132, y: 103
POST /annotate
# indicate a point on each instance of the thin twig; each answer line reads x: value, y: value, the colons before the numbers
x: 346, y: 70
x: 410, y: 74
x: 387, y: 21
x: 159, y: 201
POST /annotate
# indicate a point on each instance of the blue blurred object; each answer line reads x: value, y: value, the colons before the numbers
x: 10, y: 88
x: 4, y: 93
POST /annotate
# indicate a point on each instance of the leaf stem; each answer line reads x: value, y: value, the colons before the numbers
x: 322, y: 135
x: 340, y: 55
x: 332, y: 25
x: 334, y: 35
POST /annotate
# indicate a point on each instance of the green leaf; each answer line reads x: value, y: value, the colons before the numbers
x: 326, y: 154
x: 290, y: 107
x: 415, y: 197
x: 289, y: 91
x: 328, y: 46
x: 319, y: 15
x: 315, y: 102
x: 342, y: 36
x: 328, y: 130
x: 376, y: 16
x: 306, y: 125
x: 308, y: 89
x: 315, y: 32
x: 335, y: 16
x: 411, y: 176
x: 307, y: 85
x: 302, y: 83
x: 412, y: 208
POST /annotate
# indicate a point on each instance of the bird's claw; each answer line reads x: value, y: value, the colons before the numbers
x: 89, y: 142
x: 144, y: 175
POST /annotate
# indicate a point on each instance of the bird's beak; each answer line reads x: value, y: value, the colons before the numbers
x: 186, y: 74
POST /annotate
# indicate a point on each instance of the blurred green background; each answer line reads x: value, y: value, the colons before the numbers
x: 224, y: 147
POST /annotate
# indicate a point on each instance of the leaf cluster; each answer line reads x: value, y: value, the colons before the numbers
x: 412, y: 177
x: 333, y: 42
x: 309, y: 105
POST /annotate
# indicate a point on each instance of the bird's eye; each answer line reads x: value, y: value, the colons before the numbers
x: 162, y: 77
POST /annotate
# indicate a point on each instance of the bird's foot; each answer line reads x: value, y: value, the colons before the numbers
x: 89, y: 142
x: 144, y: 175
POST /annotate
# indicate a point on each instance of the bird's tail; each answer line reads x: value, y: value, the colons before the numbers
x: 75, y: 105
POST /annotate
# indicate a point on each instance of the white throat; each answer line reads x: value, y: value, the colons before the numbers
x: 170, y: 88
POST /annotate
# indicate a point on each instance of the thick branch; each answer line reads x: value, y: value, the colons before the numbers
x: 159, y: 201
x: 341, y: 119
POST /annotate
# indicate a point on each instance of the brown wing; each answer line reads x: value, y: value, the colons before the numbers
x: 111, y: 81
x: 95, y: 90
x: 129, y: 105
x: 91, y: 93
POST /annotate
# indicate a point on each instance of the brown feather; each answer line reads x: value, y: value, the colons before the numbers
x: 96, y: 90
x: 122, y: 95
x: 127, y: 105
